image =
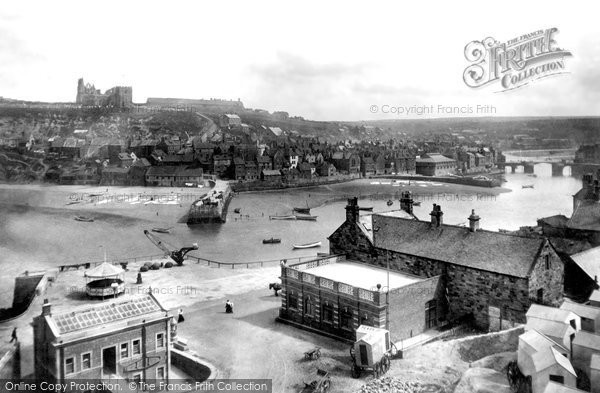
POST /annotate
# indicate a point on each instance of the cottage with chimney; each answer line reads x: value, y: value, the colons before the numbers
x: 489, y: 277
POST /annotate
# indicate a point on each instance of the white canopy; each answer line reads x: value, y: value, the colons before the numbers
x: 104, y: 270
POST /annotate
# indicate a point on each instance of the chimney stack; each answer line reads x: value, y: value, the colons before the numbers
x: 406, y: 202
x: 352, y: 210
x: 473, y: 221
x: 46, y: 308
x: 437, y: 215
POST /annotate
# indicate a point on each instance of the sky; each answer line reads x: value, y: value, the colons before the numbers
x: 334, y: 60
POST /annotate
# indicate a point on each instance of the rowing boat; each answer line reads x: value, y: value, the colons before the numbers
x: 291, y: 217
x: 271, y: 241
x: 308, y: 245
x: 84, y: 219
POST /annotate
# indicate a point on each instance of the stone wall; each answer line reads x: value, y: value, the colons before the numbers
x: 548, y: 277
x: 472, y: 292
x: 407, y: 307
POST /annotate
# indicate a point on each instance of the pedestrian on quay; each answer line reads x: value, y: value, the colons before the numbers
x: 180, y: 317
x: 13, y: 336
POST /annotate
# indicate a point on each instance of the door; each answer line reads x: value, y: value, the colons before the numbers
x: 364, y: 356
x: 109, y: 360
x: 430, y: 314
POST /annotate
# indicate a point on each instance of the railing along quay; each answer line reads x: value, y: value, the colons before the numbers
x: 247, y: 265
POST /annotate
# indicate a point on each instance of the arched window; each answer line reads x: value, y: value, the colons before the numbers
x: 308, y: 308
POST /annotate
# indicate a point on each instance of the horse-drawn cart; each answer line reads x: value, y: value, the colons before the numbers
x: 320, y: 385
x: 372, y: 351
x: 313, y: 354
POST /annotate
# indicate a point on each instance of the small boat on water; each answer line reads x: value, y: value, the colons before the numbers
x: 271, y: 241
x: 390, y: 202
x: 162, y: 230
x: 308, y: 245
x: 527, y: 186
x: 291, y: 217
x: 73, y: 202
x: 84, y: 219
x: 237, y: 210
x: 302, y: 210
x: 305, y: 217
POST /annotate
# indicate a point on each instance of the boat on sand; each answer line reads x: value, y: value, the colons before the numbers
x: 307, y: 245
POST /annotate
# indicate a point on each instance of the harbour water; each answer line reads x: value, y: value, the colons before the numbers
x: 37, y: 231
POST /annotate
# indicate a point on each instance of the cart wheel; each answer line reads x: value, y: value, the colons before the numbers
x: 325, y: 386
x: 317, y: 353
x: 355, y: 371
x: 385, y: 363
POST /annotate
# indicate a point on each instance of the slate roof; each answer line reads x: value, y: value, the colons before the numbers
x: 588, y: 261
x: 434, y: 157
x: 490, y: 251
x: 105, y: 313
x: 595, y: 296
x: 586, y: 216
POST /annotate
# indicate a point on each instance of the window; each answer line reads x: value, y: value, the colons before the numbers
x: 124, y: 350
x: 327, y: 313
x: 557, y: 378
x: 69, y: 365
x: 160, y: 340
x: 346, y: 318
x: 308, y: 310
x: 136, y: 347
x: 292, y: 300
x: 160, y: 373
x: 547, y: 260
x: 540, y: 295
x: 430, y: 314
x: 365, y: 320
x: 86, y: 361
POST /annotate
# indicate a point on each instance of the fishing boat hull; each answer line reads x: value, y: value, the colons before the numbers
x: 161, y: 230
x: 302, y: 210
x: 309, y: 245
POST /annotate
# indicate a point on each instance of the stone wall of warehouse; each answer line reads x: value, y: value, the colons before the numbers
x: 549, y: 278
x: 352, y: 242
x: 410, y: 264
x: 408, y: 305
x: 472, y: 292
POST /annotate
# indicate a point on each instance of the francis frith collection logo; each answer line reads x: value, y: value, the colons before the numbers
x: 516, y: 62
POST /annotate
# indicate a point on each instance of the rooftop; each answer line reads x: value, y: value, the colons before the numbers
x: 553, y: 329
x: 362, y: 276
x: 485, y: 250
x: 595, y: 296
x: 106, y: 313
x: 587, y: 340
x: 588, y: 262
x: 549, y: 313
x: 582, y: 310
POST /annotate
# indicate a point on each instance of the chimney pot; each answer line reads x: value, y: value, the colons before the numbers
x: 473, y: 221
